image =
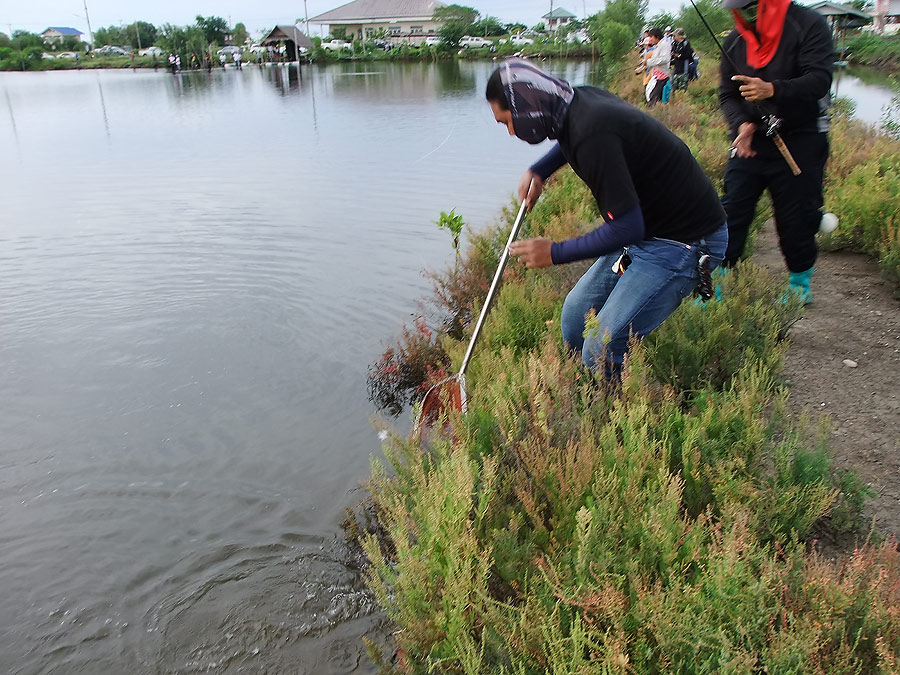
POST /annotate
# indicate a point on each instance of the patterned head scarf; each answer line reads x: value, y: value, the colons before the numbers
x: 538, y: 102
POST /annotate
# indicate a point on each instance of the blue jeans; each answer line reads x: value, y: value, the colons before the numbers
x: 662, y: 273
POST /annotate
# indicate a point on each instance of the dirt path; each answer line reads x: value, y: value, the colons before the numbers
x: 854, y: 315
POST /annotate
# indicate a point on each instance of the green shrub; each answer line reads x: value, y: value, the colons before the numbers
x: 704, y: 345
x: 572, y: 528
x: 566, y: 525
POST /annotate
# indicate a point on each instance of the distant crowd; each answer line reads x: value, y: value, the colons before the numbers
x: 668, y: 63
x: 267, y: 54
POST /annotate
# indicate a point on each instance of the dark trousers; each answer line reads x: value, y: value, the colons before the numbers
x: 656, y: 94
x: 797, y: 200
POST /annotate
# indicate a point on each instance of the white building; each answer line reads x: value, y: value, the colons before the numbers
x: 887, y: 16
x: 558, y: 17
x: 408, y: 20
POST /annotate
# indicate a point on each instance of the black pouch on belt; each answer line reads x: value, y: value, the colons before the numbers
x: 704, y: 286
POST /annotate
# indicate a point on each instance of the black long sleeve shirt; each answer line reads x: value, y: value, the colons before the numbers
x: 800, y: 73
x: 682, y: 54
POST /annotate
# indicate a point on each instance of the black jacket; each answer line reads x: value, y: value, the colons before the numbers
x: 800, y: 71
x: 682, y: 54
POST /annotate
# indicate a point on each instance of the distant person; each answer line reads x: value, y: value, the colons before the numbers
x: 682, y: 60
x: 178, y: 62
x: 657, y: 66
x: 669, y: 36
x: 208, y: 62
x: 222, y: 59
x: 660, y: 212
x: 783, y: 58
x: 172, y: 63
x: 237, y: 60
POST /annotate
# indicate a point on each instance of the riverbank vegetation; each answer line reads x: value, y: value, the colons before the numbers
x: 667, y: 525
x: 608, y: 34
x: 870, y: 49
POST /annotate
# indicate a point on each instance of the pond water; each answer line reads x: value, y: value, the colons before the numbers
x: 872, y: 92
x: 195, y: 273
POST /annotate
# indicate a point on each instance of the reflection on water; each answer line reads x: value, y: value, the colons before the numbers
x: 195, y: 273
x: 871, y: 92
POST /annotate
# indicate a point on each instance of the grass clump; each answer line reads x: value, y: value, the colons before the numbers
x: 564, y: 528
x: 561, y: 526
x: 663, y: 526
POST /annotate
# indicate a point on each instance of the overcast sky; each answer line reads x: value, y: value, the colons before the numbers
x: 36, y: 15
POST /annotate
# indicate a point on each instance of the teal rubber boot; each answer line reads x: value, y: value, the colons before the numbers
x: 798, y: 282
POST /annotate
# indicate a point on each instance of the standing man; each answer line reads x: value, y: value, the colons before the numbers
x: 682, y: 59
x: 783, y: 56
x: 660, y: 212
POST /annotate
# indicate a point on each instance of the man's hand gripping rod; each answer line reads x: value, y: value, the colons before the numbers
x: 773, y: 123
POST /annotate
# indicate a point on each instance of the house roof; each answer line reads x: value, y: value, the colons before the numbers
x: 288, y: 32
x: 828, y: 8
x: 62, y: 30
x: 559, y: 13
x: 371, y: 10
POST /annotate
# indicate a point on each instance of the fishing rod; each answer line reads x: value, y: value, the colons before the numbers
x: 772, y: 122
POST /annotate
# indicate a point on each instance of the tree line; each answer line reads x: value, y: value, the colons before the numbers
x: 614, y: 31
x: 24, y: 50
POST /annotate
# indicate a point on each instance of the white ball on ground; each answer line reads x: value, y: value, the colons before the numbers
x: 828, y: 223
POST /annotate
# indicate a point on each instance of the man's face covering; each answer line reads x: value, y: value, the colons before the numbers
x: 538, y: 102
x: 750, y: 12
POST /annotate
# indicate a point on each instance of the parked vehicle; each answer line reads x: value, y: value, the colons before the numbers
x: 579, y: 37
x: 151, y: 51
x: 110, y: 50
x: 520, y: 40
x: 48, y: 56
x: 385, y: 45
x: 230, y: 50
x: 336, y: 45
x: 433, y: 40
x: 67, y: 55
x: 469, y: 42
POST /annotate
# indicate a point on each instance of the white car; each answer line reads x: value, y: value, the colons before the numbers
x: 150, y: 51
x: 468, y: 42
x: 520, y: 40
x: 579, y: 37
x: 336, y: 45
x: 433, y: 40
x: 67, y: 55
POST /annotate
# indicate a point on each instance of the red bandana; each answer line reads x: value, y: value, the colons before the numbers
x: 762, y: 43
